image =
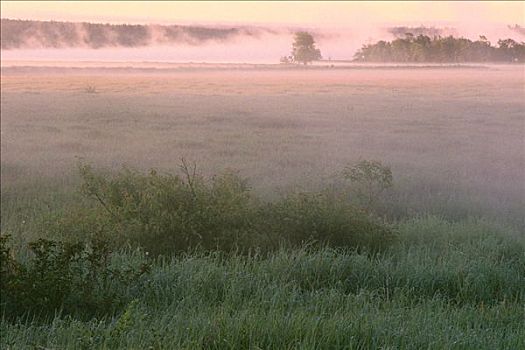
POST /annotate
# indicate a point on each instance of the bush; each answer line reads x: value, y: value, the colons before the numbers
x: 75, y: 278
x: 326, y: 219
x: 167, y: 213
x: 8, y: 265
x: 369, y: 179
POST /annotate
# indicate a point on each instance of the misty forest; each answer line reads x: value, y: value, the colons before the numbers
x: 171, y: 185
x: 438, y: 49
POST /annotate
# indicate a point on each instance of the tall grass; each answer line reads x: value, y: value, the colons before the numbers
x: 320, y: 273
x: 442, y: 285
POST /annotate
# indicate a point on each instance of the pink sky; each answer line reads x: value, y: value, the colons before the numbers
x: 320, y: 13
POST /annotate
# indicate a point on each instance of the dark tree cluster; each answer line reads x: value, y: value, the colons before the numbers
x: 17, y: 34
x: 400, y: 31
x: 422, y: 48
x: 303, y: 49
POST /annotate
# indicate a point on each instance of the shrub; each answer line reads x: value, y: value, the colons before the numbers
x: 369, y: 180
x: 324, y: 218
x: 167, y: 213
x: 8, y: 265
x: 74, y: 278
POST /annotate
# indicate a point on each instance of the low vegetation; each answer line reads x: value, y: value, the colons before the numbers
x: 206, y: 259
x: 66, y: 278
x: 168, y: 214
x: 442, y: 285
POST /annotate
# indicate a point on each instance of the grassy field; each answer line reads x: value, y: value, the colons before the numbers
x: 443, y: 286
x: 453, y: 137
x: 453, y: 277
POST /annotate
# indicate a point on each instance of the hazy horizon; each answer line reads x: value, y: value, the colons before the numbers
x: 258, y: 32
x: 248, y: 44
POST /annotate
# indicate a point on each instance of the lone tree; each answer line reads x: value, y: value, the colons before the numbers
x: 303, y: 49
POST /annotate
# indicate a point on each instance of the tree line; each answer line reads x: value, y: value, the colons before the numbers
x: 422, y: 48
x: 17, y: 34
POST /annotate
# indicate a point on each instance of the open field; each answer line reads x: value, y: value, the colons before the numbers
x: 450, y: 276
x: 453, y: 137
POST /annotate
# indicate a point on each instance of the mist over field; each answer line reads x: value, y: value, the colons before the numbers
x: 70, y: 41
x: 202, y: 184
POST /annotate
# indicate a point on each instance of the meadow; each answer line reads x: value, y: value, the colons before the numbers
x: 452, y: 276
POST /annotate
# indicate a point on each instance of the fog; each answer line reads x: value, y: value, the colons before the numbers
x: 65, y: 41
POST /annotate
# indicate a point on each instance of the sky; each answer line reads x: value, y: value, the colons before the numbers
x: 314, y: 13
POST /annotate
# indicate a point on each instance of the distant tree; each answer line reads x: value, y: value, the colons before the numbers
x: 422, y: 48
x: 303, y: 48
x: 483, y: 39
x: 286, y: 60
